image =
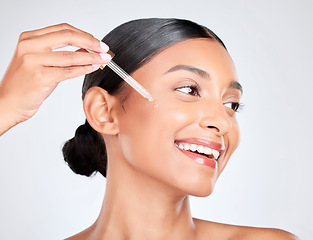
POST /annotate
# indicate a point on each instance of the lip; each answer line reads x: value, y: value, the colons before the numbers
x: 210, y: 162
x: 197, y: 157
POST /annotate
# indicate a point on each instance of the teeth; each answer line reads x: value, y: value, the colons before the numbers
x: 199, y: 149
x: 207, y: 151
x: 215, y: 154
x: 186, y: 147
x: 193, y: 147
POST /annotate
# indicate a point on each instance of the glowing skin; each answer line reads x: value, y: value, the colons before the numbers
x: 149, y: 178
x: 147, y: 136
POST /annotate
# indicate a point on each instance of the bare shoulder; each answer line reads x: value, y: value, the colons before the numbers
x: 213, y: 230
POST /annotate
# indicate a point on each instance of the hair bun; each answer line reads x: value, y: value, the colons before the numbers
x: 85, y: 153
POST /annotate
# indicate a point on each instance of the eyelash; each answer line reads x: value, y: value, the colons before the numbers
x: 193, y: 88
x: 235, y: 106
x: 194, y: 91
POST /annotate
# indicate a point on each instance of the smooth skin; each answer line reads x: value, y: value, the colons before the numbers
x: 36, y: 70
x: 148, y: 178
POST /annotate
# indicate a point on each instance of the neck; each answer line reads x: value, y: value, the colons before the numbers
x: 136, y: 207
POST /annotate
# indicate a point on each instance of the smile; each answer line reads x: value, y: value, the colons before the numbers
x: 201, y: 150
x: 211, y: 153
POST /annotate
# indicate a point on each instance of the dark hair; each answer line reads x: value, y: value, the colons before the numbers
x: 134, y: 43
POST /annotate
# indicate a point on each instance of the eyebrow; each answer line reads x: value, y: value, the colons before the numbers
x: 236, y: 85
x: 189, y: 68
x: 203, y: 74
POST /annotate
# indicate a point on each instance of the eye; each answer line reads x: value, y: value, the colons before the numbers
x: 235, y: 106
x: 192, y: 90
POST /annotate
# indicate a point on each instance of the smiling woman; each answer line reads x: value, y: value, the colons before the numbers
x: 154, y: 155
x: 154, y: 158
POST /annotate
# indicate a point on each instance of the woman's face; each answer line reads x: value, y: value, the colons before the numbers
x: 186, y: 141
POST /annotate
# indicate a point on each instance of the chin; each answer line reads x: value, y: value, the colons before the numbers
x: 199, y: 189
x: 202, y: 193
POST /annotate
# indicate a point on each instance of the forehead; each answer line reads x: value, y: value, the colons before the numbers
x: 206, y: 54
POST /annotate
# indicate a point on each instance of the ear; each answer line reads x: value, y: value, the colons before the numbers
x: 99, y: 108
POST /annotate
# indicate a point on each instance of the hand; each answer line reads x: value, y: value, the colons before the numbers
x: 36, y: 70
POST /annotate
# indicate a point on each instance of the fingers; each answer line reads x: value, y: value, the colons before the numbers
x: 59, y: 39
x: 61, y: 74
x: 68, y: 58
x: 36, y: 69
x: 35, y: 53
x: 58, y: 36
x: 54, y: 28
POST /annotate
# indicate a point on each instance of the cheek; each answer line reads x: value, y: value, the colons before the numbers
x: 147, y: 135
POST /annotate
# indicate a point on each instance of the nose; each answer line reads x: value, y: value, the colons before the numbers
x: 216, y: 119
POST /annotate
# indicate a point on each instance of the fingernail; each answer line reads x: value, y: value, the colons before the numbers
x: 104, y: 46
x: 96, y: 65
x: 106, y: 57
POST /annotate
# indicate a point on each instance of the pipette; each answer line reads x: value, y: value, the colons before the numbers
x: 127, y: 78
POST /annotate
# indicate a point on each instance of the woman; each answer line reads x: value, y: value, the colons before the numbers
x: 154, y: 155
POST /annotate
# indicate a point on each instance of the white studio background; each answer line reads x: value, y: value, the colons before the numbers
x: 267, y: 181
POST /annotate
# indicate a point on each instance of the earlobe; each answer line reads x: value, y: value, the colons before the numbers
x: 98, y: 107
